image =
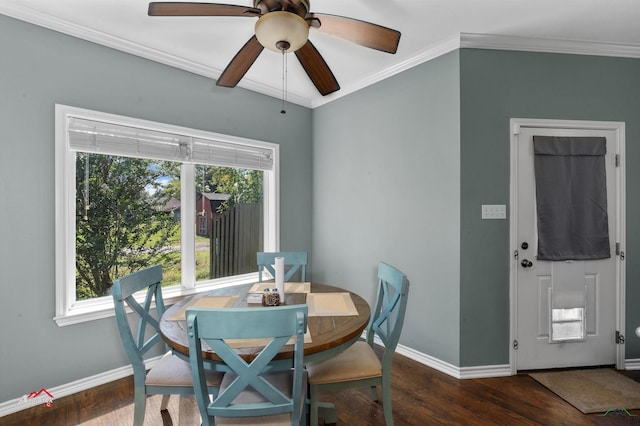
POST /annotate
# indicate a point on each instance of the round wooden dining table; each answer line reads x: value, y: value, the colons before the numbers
x: 328, y: 334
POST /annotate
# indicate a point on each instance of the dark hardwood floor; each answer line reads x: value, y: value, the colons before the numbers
x: 421, y: 396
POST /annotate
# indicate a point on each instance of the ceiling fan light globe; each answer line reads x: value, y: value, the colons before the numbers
x: 275, y: 27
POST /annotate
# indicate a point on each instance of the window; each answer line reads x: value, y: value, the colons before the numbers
x: 131, y: 193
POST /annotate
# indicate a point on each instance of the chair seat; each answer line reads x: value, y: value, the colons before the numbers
x: 174, y: 371
x: 357, y: 362
x: 281, y: 380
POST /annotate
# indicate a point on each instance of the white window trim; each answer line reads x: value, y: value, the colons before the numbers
x: 68, y: 310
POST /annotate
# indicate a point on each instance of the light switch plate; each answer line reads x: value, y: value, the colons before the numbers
x: 494, y: 211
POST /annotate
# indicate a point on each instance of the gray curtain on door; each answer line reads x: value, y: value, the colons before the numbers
x: 571, y: 198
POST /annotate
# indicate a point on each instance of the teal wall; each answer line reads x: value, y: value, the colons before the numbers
x: 497, y: 86
x: 39, y: 68
x: 430, y: 146
x: 386, y: 187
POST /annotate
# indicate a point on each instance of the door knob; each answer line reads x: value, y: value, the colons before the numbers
x: 526, y: 263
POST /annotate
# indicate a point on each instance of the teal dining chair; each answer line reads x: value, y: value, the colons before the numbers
x: 293, y: 261
x: 261, y: 390
x: 170, y: 375
x: 358, y: 365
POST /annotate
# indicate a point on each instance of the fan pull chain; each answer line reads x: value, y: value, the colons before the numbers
x: 284, y: 80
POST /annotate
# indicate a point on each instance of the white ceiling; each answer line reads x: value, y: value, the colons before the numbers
x: 204, y: 45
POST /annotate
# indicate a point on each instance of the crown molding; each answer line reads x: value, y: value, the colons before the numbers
x: 65, y: 27
x: 462, y: 41
x: 547, y: 45
x: 50, y: 22
x: 493, y: 42
x: 432, y: 53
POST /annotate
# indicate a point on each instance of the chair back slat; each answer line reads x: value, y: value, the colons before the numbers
x: 277, y: 325
x: 294, y: 261
x: 388, y: 317
x: 123, y: 292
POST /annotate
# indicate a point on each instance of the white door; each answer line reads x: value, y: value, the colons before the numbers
x: 566, y: 312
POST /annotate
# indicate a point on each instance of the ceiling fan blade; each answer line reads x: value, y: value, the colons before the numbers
x: 240, y: 63
x: 200, y: 9
x: 360, y: 32
x: 317, y: 69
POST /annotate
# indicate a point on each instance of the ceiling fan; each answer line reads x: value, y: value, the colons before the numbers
x: 283, y: 26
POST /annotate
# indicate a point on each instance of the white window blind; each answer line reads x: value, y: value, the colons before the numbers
x: 114, y: 139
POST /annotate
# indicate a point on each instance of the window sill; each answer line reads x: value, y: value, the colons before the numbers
x: 102, y: 307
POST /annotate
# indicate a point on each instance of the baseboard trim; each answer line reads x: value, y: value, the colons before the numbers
x: 632, y: 364
x: 18, y: 404
x: 475, y: 372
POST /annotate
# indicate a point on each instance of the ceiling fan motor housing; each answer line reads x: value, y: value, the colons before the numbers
x: 299, y: 7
